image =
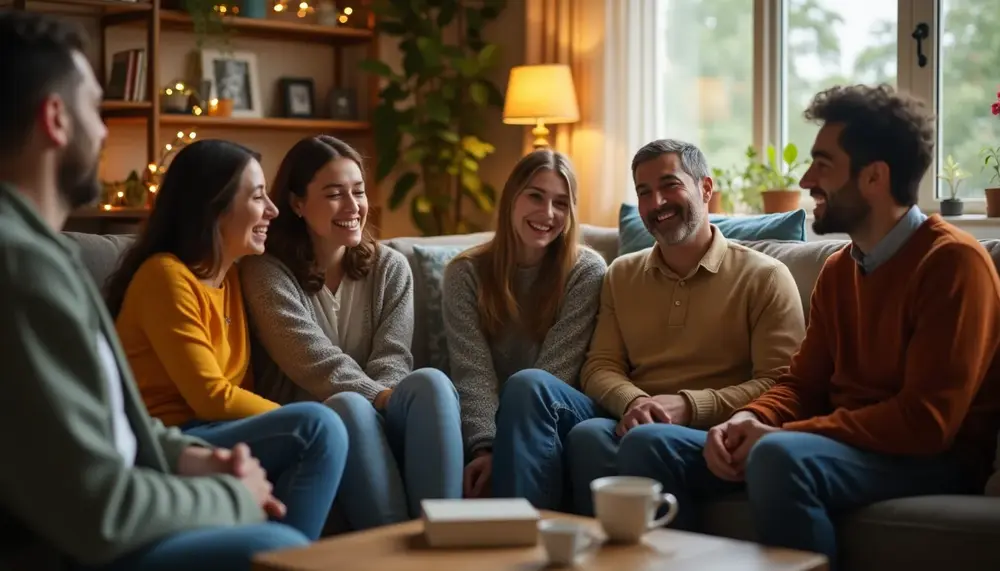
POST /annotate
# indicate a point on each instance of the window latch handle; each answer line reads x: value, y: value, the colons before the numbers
x: 921, y: 33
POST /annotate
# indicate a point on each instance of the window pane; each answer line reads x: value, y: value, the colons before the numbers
x: 831, y: 42
x: 967, y: 84
x: 707, y: 66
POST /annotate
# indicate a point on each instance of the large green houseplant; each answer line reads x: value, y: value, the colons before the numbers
x: 427, y: 122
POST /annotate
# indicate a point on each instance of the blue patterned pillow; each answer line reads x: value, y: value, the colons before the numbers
x: 431, y: 262
x: 633, y: 236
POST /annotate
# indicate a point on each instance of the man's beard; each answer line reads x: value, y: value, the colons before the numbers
x: 77, y: 176
x: 845, y: 211
x: 678, y: 229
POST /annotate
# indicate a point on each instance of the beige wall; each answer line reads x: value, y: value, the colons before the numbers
x: 126, y: 147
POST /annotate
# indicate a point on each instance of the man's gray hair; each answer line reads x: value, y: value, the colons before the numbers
x: 692, y: 159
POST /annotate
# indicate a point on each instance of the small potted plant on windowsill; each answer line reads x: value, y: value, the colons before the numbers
x: 953, y: 174
x: 723, y: 195
x: 775, y: 181
x: 992, y: 161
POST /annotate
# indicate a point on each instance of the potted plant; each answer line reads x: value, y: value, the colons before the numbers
x: 778, y: 193
x: 991, y: 160
x: 953, y: 174
x: 724, y: 194
x: 431, y: 112
x: 769, y: 186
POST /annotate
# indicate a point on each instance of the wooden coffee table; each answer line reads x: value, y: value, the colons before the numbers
x: 401, y: 547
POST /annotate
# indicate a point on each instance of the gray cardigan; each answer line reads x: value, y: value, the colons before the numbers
x: 478, y: 367
x: 293, y: 358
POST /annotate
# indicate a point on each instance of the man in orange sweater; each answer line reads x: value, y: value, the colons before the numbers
x: 895, y: 390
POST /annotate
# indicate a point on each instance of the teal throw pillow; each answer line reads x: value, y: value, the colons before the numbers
x: 788, y: 226
x: 431, y: 262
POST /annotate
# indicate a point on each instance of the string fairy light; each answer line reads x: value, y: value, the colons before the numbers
x: 154, y: 171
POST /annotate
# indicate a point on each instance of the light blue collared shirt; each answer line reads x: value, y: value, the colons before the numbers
x: 890, y: 243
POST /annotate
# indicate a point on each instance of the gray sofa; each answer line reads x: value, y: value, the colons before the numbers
x: 933, y: 533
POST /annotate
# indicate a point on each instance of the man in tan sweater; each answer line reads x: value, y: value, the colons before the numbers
x: 688, y: 331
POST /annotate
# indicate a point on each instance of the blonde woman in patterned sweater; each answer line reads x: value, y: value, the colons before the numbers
x: 519, y: 311
x: 333, y: 312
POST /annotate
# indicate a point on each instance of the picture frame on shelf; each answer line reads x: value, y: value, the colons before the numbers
x: 343, y: 104
x: 234, y: 76
x: 297, y: 97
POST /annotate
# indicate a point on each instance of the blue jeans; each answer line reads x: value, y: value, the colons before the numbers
x: 591, y: 453
x: 411, y: 452
x: 303, y: 448
x: 796, y: 482
x: 209, y: 549
x: 535, y: 415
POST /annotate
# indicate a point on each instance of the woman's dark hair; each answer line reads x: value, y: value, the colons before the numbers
x: 288, y: 238
x: 197, y: 189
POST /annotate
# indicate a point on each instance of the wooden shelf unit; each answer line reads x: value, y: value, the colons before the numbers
x: 151, y: 15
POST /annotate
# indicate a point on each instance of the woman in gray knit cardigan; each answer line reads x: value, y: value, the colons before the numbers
x: 331, y: 313
x: 519, y: 309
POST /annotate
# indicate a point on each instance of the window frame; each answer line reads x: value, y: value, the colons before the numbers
x: 770, y: 117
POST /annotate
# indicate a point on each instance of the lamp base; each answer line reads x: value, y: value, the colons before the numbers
x: 540, y: 132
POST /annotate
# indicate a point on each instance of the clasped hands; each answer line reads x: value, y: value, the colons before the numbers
x: 727, y: 445
x: 238, y: 462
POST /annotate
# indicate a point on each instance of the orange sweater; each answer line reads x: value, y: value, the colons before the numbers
x: 904, y: 360
x: 188, y: 344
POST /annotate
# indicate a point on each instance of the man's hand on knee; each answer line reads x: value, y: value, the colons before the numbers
x: 643, y: 410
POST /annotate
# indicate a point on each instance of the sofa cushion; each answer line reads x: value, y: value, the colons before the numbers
x: 633, y: 235
x: 101, y: 253
x: 930, y: 532
x: 430, y: 262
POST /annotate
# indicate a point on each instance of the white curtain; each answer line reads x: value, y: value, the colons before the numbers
x: 615, y: 50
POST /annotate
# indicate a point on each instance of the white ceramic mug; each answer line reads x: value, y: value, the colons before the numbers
x: 626, y: 506
x: 565, y: 539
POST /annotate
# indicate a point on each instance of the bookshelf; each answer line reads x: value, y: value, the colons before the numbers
x: 155, y: 18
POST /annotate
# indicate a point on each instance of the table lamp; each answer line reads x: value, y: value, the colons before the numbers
x: 540, y: 94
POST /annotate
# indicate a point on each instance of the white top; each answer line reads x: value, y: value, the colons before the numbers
x: 125, y: 441
x: 341, y: 316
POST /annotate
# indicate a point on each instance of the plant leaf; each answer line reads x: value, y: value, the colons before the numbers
x: 437, y: 109
x: 488, y: 56
x: 430, y: 50
x: 480, y: 94
x: 790, y: 154
x: 378, y: 67
x: 422, y: 214
x: 475, y: 147
x: 404, y: 184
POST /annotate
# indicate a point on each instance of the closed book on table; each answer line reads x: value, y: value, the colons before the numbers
x: 489, y: 522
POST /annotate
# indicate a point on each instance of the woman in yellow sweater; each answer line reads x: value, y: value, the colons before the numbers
x: 179, y: 312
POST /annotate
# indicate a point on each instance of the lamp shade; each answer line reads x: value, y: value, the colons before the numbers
x: 540, y: 94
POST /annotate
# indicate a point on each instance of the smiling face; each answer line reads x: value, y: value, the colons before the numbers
x: 672, y: 205
x: 840, y: 205
x: 540, y: 212
x: 243, y: 227
x: 335, y: 206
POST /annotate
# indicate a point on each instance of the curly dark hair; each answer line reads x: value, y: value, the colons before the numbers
x: 37, y: 60
x: 288, y: 239
x: 881, y: 124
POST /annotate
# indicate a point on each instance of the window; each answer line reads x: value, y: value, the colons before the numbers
x: 741, y: 72
x: 831, y: 42
x: 967, y: 79
x: 706, y: 50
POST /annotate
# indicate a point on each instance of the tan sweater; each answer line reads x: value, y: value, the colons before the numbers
x: 720, y: 336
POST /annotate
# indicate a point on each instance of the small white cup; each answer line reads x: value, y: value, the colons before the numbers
x: 626, y: 506
x: 565, y: 540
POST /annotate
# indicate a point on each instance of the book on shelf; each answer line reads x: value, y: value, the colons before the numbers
x: 127, y: 80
